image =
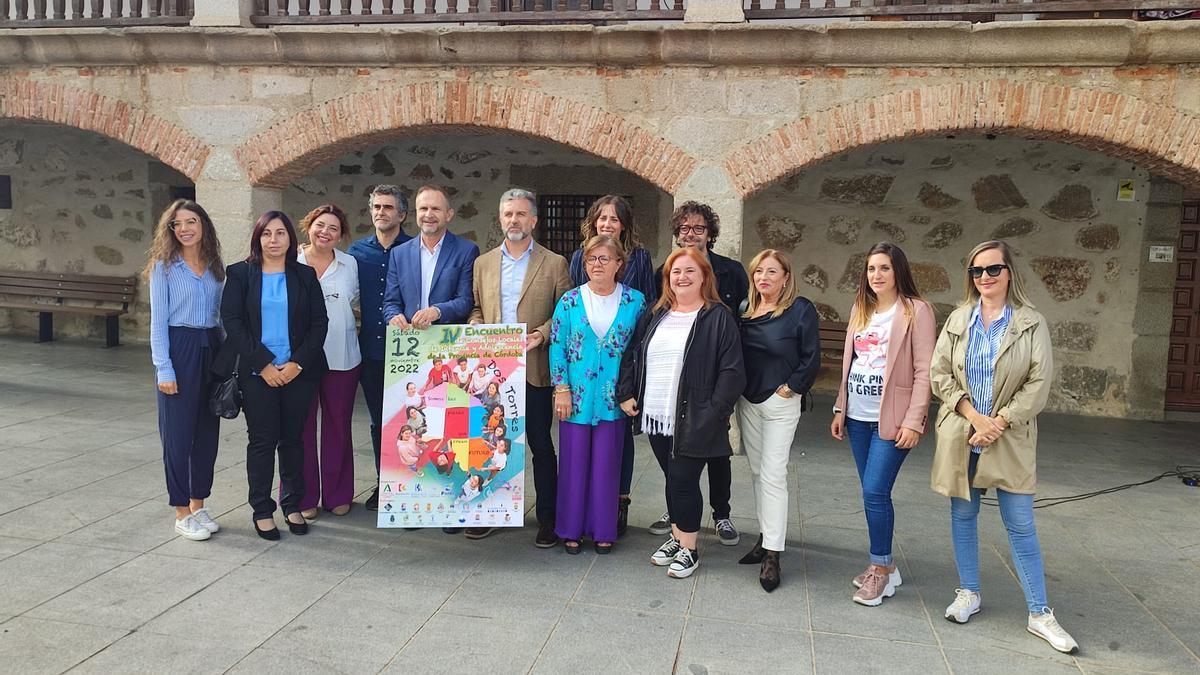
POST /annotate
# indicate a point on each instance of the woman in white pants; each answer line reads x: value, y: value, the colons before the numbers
x: 781, y: 347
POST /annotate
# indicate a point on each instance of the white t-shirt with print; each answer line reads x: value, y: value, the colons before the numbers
x: 864, y: 388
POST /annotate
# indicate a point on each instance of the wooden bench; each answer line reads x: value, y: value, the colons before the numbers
x: 833, y: 343
x: 108, y: 297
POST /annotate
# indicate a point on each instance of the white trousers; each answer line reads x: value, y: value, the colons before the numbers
x: 768, y: 429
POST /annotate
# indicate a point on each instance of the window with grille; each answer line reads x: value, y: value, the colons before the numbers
x: 559, y: 218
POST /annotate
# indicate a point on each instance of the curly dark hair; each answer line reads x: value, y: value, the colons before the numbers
x: 691, y: 208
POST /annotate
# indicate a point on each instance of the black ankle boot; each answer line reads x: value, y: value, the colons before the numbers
x: 768, y: 575
x: 622, y: 515
x: 755, y: 556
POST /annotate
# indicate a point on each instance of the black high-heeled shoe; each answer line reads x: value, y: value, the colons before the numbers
x: 755, y: 556
x: 769, y: 573
x: 297, y: 528
x: 623, y: 515
x: 270, y: 535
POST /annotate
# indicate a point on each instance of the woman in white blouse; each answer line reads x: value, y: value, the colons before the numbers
x: 329, y: 472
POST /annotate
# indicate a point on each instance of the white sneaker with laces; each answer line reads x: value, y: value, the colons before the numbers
x: 684, y: 564
x: 189, y: 528
x: 206, y: 521
x: 1045, y: 626
x: 965, y: 604
x: 665, y: 554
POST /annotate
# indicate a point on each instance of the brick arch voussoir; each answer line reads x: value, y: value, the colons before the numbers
x: 1160, y: 138
x: 290, y: 149
x: 22, y: 99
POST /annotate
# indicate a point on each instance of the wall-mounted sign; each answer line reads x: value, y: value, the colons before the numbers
x: 1163, y: 254
x: 1125, y: 192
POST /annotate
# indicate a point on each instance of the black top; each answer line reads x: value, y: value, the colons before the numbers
x: 732, y: 283
x: 782, y: 349
x: 241, y: 314
x: 709, y: 384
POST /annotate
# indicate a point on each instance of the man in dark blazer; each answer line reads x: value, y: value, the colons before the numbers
x: 429, y: 277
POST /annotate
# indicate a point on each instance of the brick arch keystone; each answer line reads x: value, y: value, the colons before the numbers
x: 119, y: 120
x: 1163, y: 139
x: 291, y: 149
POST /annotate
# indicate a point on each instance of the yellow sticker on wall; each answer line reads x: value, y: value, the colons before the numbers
x: 1125, y: 192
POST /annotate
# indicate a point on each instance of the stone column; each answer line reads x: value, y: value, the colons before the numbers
x: 233, y: 203
x: 714, y: 11
x: 1152, y: 316
x: 223, y: 13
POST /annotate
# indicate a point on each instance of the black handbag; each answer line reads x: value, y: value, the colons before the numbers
x: 225, y: 398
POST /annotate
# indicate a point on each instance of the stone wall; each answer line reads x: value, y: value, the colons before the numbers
x: 476, y: 169
x: 1078, y: 248
x: 82, y: 204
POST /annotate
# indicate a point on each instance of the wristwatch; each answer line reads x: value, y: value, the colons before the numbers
x: 837, y: 410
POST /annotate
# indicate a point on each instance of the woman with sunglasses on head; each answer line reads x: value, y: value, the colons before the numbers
x: 273, y: 309
x: 611, y: 216
x: 992, y: 370
x: 185, y: 273
x: 883, y: 398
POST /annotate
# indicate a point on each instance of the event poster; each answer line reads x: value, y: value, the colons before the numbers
x: 453, y: 446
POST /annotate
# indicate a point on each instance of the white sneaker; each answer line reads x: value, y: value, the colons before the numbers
x: 206, y: 521
x: 1046, y: 627
x: 684, y: 564
x: 665, y: 555
x: 190, y: 528
x: 965, y: 604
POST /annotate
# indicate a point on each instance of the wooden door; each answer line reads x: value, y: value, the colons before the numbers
x: 1183, y: 354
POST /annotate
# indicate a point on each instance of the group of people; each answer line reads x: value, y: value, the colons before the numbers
x: 614, y: 348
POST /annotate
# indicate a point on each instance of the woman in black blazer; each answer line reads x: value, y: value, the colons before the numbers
x: 275, y: 322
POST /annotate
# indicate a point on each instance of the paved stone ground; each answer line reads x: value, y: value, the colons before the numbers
x: 92, y: 578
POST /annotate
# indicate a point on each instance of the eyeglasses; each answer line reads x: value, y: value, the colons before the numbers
x: 992, y: 271
x: 698, y: 229
x: 602, y: 259
x: 190, y: 222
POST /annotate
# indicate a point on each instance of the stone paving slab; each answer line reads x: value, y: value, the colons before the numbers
x: 96, y: 580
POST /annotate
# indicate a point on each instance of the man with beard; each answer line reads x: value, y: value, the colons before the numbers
x: 519, y: 281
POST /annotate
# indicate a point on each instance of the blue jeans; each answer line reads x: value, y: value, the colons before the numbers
x: 878, y: 464
x: 1016, y: 511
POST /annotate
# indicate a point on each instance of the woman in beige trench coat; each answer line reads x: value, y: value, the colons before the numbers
x: 992, y: 370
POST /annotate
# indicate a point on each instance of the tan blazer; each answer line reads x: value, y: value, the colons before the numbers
x: 905, y: 401
x: 546, y: 279
x: 1020, y: 387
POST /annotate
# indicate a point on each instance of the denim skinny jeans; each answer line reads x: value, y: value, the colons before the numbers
x: 878, y: 463
x: 1016, y: 510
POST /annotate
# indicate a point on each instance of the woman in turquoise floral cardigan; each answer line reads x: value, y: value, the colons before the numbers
x: 592, y: 325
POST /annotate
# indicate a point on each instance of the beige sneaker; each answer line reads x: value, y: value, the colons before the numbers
x: 875, y: 587
x: 895, y: 579
x: 1047, y: 627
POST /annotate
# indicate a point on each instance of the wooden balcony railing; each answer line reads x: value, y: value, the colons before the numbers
x: 71, y: 13
x: 272, y: 12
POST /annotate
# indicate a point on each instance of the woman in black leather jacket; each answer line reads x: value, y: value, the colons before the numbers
x: 680, y: 377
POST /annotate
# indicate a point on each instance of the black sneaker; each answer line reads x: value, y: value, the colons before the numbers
x: 451, y: 530
x: 686, y: 562
x: 661, y: 526
x: 372, y: 503
x: 546, y: 538
x: 479, y: 532
x: 727, y: 534
x: 622, y: 516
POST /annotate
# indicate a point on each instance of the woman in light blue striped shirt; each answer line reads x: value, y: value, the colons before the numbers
x: 186, y: 274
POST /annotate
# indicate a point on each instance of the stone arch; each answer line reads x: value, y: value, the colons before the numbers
x: 1160, y: 138
x: 288, y: 150
x: 116, y: 119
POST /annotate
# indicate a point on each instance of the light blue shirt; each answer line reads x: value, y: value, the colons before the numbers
x: 983, y: 347
x: 179, y: 298
x: 512, y: 278
x: 275, y: 317
x: 429, y: 261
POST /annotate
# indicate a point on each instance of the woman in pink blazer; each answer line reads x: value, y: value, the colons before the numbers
x: 883, y: 399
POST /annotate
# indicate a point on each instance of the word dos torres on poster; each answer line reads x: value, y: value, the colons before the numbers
x: 453, y: 446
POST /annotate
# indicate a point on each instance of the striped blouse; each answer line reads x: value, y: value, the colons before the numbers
x: 179, y: 298
x: 983, y: 346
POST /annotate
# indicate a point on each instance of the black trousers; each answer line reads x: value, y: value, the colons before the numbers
x: 538, y: 419
x: 190, y: 433
x: 720, y: 477
x: 685, y: 503
x: 275, y: 418
x: 371, y: 380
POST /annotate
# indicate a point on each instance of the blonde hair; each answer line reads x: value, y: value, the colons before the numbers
x: 786, y: 297
x: 1017, y: 297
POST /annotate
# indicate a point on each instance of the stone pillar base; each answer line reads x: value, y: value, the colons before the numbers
x: 714, y: 11
x: 223, y: 13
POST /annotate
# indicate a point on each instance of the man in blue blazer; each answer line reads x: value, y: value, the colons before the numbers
x: 429, y: 277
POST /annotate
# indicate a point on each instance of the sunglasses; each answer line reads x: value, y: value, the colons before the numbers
x: 992, y: 271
